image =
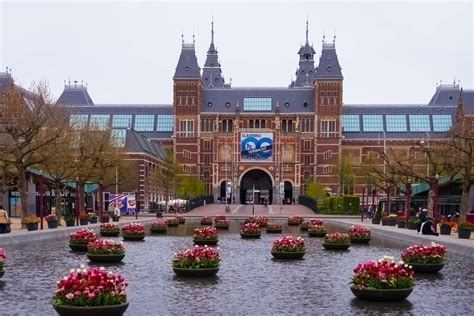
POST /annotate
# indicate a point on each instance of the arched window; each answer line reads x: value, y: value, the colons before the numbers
x: 283, y: 126
x: 290, y: 126
x: 262, y: 124
x: 251, y: 123
x: 257, y: 123
x: 230, y: 126
x: 224, y: 126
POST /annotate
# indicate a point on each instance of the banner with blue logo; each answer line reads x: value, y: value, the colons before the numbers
x: 256, y: 147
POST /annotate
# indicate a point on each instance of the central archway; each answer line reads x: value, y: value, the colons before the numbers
x: 260, y: 181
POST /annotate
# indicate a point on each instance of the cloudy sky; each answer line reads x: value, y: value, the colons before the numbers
x: 390, y: 52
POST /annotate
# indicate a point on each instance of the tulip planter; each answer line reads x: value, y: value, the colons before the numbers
x: 32, y: 226
x: 287, y: 255
x: 83, y: 221
x: 333, y: 246
x: 107, y: 310
x: 360, y: 240
x: 158, y: 230
x: 110, y: 258
x: 69, y: 223
x: 388, y: 222
x: 133, y: 237
x: 402, y: 224
x: 376, y: 221
x: 464, y: 233
x: 78, y: 247
x: 273, y: 231
x: 206, y: 223
x: 185, y: 272
x: 208, y: 242
x: 93, y: 220
x: 445, y: 230
x: 52, y: 224
x: 369, y: 294
x: 250, y: 236
x: 221, y: 225
x: 427, y: 267
x: 110, y: 233
x: 316, y: 234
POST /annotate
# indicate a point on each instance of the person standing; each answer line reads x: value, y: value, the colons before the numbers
x: 4, y: 221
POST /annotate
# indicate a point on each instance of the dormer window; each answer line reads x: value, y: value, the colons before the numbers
x: 186, y: 68
x: 329, y: 68
x: 206, y: 79
x: 305, y: 104
x: 212, y: 65
x: 209, y: 104
x: 216, y: 80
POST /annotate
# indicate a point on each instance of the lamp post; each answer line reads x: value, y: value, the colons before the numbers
x: 41, y: 206
x: 435, y: 201
x: 408, y: 199
x: 362, y: 212
x: 137, y: 204
x: 77, y: 201
x: 101, y: 200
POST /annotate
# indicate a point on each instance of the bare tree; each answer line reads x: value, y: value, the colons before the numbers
x: 27, y: 127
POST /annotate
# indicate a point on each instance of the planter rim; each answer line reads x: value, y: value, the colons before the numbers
x: 117, y: 309
x: 382, y: 290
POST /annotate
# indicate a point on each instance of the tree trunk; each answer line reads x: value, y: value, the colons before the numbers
x: 431, y: 194
x: 463, y: 207
x: 23, y: 189
x: 57, y: 204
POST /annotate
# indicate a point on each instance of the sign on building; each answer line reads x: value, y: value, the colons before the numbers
x: 256, y: 147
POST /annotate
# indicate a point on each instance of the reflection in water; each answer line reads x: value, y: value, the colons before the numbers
x: 249, y: 280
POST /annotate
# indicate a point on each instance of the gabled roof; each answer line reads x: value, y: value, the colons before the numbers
x: 136, y: 142
x: 187, y: 67
x: 75, y: 94
x: 328, y: 67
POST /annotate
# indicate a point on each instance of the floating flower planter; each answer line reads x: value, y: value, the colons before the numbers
x: 337, y: 241
x: 172, y: 221
x: 382, y: 280
x: 424, y: 258
x: 159, y: 226
x: 93, y: 292
x: 274, y: 228
x: 288, y: 247
x: 79, y: 240
x: 181, y: 219
x: 3, y: 257
x: 109, y: 230
x: 206, y: 220
x: 359, y: 234
x: 196, y: 262
x: 295, y: 220
x: 133, y: 232
x: 262, y: 221
x: 250, y: 231
x: 205, y: 236
x: 103, y: 250
x: 316, y: 230
x: 221, y: 222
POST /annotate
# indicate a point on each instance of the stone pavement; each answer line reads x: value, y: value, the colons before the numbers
x: 242, y: 210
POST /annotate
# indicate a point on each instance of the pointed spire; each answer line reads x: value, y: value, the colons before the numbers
x: 307, y: 31
x: 212, y: 30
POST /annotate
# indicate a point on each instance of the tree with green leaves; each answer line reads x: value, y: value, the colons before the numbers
x: 345, y: 175
x: 190, y: 186
x: 315, y: 190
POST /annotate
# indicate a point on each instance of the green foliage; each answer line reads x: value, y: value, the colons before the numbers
x: 345, y: 175
x: 190, y: 186
x: 315, y: 190
x: 346, y: 204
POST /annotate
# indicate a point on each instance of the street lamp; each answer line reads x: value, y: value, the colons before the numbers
x: 41, y: 206
x: 408, y: 198
x: 435, y: 200
x: 77, y: 201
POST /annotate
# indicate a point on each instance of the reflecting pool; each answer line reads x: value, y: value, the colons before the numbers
x: 249, y: 280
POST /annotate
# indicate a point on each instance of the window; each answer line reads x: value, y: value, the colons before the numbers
x: 442, y: 123
x: 144, y: 123
x: 206, y: 175
x: 78, y: 121
x: 206, y: 159
x: 396, y: 123
x: 328, y: 129
x: 164, y: 123
x: 121, y: 121
x: 257, y: 104
x: 262, y: 124
x: 119, y: 137
x: 307, y: 125
x: 307, y: 159
x: 226, y: 126
x: 187, y: 169
x: 257, y: 123
x: 206, y: 125
x: 372, y: 123
x: 99, y: 121
x: 419, y: 123
x: 327, y: 169
x: 186, y: 128
x: 351, y: 123
x: 251, y: 123
x: 307, y: 145
x: 207, y: 145
x: 186, y: 154
x: 327, y: 154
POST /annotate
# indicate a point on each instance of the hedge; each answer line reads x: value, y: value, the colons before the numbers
x: 346, y: 205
